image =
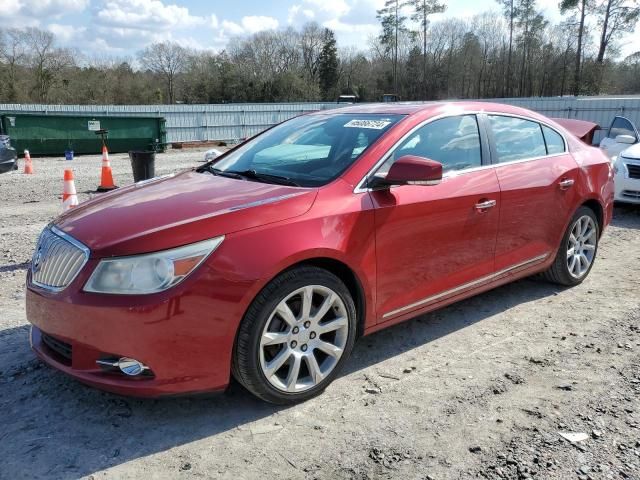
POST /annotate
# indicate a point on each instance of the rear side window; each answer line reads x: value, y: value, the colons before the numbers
x: 516, y: 138
x: 452, y: 141
x: 554, y: 141
x: 621, y: 126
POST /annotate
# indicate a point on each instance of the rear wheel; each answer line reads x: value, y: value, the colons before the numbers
x: 577, y: 251
x: 295, y: 336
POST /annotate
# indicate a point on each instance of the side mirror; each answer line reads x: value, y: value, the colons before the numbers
x: 412, y: 170
x: 630, y: 139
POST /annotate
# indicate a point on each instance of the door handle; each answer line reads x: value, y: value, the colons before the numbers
x: 485, y: 204
x: 566, y: 183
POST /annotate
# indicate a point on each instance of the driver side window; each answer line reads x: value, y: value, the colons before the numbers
x: 452, y: 141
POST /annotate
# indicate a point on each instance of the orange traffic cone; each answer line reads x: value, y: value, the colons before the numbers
x: 28, y: 164
x: 69, y: 196
x: 106, y: 182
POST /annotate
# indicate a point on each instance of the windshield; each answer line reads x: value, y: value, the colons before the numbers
x: 308, y: 151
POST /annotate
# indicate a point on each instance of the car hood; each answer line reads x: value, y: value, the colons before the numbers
x: 632, y: 152
x: 177, y: 210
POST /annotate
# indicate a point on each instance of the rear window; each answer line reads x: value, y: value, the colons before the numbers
x: 517, y: 138
x: 554, y: 141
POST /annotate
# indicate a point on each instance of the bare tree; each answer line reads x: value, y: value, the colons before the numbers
x: 13, y: 52
x: 166, y: 59
x: 46, y: 60
x: 311, y: 43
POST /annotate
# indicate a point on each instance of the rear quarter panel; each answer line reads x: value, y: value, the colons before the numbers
x: 596, y: 178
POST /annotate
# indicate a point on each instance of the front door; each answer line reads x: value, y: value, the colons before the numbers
x: 433, y: 242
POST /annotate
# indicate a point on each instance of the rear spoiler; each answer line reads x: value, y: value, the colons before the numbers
x: 580, y: 128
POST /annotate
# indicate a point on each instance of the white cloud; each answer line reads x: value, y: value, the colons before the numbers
x: 247, y: 26
x: 232, y: 28
x: 298, y: 12
x: 66, y: 33
x: 39, y: 9
x: 145, y: 15
x: 253, y: 23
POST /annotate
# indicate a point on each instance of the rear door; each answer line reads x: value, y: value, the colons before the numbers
x: 537, y: 176
x: 433, y: 242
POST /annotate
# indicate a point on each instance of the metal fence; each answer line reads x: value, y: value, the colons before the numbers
x: 186, y: 123
x: 600, y: 110
x: 234, y: 121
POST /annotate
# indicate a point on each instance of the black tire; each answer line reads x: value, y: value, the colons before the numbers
x: 559, y: 272
x: 246, y: 353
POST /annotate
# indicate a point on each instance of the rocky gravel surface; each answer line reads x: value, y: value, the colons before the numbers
x: 526, y: 381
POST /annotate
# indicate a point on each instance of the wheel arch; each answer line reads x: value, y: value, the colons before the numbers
x: 344, y: 273
x: 597, y: 208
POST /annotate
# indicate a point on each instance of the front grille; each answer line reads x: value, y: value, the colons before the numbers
x: 634, y: 194
x: 634, y: 170
x: 57, y: 260
x: 58, y: 346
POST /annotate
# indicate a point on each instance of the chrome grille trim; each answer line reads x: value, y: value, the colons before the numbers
x: 57, y: 260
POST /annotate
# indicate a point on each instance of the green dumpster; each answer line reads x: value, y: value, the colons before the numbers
x: 44, y: 134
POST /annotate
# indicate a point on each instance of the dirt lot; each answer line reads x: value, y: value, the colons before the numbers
x: 480, y: 389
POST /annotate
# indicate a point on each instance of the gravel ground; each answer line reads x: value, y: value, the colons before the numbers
x: 481, y: 389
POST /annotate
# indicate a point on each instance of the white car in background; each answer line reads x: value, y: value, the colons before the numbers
x: 626, y: 168
x: 621, y: 145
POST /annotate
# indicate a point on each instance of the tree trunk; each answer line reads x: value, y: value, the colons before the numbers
x: 424, y: 49
x: 603, y: 35
x: 395, y: 55
x: 508, y: 89
x: 576, y: 75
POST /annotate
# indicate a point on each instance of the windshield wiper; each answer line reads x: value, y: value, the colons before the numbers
x: 222, y: 173
x: 261, y: 177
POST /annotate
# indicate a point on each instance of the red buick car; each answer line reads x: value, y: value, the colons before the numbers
x: 270, y: 261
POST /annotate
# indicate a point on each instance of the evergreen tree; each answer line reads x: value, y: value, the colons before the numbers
x: 328, y: 65
x: 421, y: 11
x: 393, y: 24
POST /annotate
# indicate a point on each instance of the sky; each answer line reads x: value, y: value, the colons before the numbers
x: 120, y: 28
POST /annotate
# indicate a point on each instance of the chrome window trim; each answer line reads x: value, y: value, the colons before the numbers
x: 361, y: 185
x: 85, y: 250
x: 465, y: 286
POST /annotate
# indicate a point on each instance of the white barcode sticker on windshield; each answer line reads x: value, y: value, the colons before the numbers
x: 374, y: 124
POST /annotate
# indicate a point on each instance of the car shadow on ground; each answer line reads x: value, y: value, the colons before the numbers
x: 626, y: 215
x: 51, y: 420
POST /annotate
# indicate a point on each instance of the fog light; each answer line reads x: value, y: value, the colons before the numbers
x: 128, y: 366
x: 131, y: 367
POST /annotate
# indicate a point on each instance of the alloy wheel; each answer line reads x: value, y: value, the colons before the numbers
x: 581, y: 247
x: 304, y: 338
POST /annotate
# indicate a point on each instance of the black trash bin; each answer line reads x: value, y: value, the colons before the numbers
x: 143, y: 164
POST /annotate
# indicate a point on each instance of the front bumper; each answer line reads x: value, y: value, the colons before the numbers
x: 8, y: 164
x: 626, y: 189
x: 184, y: 336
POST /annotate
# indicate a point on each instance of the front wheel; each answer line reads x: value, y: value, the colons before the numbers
x: 295, y: 336
x: 577, y: 251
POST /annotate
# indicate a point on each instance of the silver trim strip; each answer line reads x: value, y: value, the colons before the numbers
x: 465, y: 286
x: 361, y: 188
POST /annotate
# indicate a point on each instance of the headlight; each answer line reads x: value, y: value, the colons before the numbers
x: 149, y: 273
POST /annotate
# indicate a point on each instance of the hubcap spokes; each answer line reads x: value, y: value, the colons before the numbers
x: 581, y: 247
x: 304, y: 338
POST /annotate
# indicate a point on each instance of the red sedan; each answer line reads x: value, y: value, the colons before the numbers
x: 270, y: 261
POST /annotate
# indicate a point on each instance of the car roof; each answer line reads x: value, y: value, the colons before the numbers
x: 410, y: 108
